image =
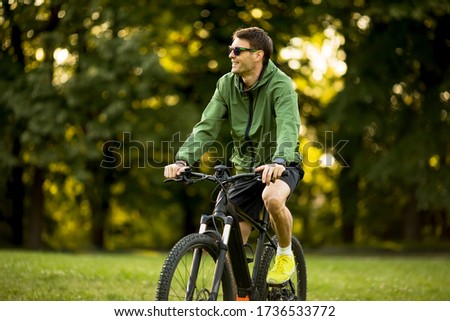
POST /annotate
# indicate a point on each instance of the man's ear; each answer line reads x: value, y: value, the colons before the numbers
x: 259, y: 55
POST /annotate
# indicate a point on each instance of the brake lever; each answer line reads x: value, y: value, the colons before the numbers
x: 169, y: 180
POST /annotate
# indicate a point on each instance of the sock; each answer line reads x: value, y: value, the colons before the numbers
x: 284, y: 250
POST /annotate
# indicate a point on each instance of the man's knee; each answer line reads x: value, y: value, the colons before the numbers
x: 275, y: 196
x: 273, y: 202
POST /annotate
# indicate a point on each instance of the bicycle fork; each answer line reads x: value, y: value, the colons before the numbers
x: 223, y: 248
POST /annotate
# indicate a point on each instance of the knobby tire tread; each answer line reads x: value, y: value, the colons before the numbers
x: 183, y: 246
x: 267, y: 257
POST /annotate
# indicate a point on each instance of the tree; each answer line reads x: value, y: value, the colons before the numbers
x: 394, y: 111
x: 98, y: 95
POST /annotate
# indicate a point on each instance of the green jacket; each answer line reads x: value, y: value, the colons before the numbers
x: 264, y: 121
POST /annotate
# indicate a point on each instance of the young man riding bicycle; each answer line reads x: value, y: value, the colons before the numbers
x: 260, y: 104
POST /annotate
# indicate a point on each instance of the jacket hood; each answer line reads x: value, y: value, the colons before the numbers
x: 267, y: 73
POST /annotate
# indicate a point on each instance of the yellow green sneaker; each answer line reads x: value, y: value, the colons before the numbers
x: 282, y: 270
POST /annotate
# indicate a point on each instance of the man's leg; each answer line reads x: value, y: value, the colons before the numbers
x: 246, y: 229
x: 275, y: 196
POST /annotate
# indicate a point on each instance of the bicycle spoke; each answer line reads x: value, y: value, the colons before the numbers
x: 189, y: 271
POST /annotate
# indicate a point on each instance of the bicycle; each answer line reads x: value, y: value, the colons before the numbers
x: 214, y: 264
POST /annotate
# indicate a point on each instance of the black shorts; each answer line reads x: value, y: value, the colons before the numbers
x: 247, y: 195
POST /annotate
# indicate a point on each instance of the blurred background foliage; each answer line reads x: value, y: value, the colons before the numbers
x: 96, y: 96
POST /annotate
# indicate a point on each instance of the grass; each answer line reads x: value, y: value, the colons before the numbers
x: 90, y: 277
x: 379, y: 278
x: 47, y: 276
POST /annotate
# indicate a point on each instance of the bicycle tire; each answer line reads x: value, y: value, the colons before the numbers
x: 299, y: 279
x: 175, y: 273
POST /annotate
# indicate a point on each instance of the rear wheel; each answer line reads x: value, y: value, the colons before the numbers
x: 188, y: 272
x: 293, y: 290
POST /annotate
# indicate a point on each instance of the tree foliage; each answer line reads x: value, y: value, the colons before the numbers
x: 96, y: 96
x: 394, y: 111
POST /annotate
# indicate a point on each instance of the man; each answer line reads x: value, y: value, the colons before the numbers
x: 260, y: 104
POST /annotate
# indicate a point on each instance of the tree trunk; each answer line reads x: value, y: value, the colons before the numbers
x: 445, y: 223
x: 15, y: 185
x: 16, y: 190
x: 412, y: 222
x: 36, y: 212
x: 16, y: 194
x: 191, y: 218
x: 348, y: 189
x: 99, y: 214
x: 99, y: 199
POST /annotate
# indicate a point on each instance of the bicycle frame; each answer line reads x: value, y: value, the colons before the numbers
x: 230, y: 241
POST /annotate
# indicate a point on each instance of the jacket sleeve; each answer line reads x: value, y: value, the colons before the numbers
x: 288, y: 124
x: 205, y: 132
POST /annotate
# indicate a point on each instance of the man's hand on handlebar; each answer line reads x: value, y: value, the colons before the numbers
x: 174, y: 170
x: 270, y: 172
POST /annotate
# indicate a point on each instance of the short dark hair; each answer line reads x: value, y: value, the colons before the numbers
x: 258, y: 39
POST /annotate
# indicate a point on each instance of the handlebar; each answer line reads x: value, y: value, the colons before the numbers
x: 221, y: 176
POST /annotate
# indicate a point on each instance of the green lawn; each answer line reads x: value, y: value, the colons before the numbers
x: 133, y: 276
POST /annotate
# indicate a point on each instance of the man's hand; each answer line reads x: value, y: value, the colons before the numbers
x: 174, y: 170
x: 270, y: 172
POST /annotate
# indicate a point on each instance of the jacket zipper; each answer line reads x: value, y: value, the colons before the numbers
x: 247, y: 130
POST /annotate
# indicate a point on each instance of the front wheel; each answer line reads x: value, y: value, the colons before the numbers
x: 295, y: 288
x: 188, y: 272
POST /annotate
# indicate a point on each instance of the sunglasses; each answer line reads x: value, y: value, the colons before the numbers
x: 237, y: 50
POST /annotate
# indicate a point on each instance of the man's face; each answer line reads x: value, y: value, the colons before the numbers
x: 243, y: 63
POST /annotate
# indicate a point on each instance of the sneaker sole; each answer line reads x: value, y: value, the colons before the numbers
x: 281, y: 285
x: 274, y: 283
